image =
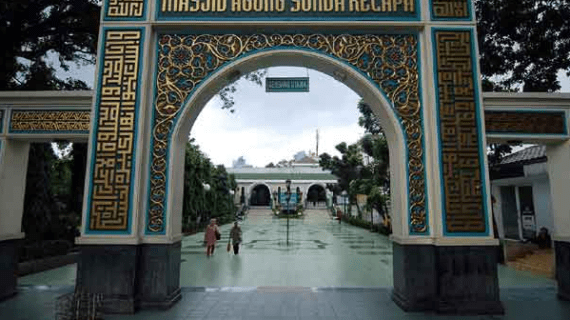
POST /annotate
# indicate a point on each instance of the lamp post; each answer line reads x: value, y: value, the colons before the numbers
x: 232, y: 202
x: 288, y: 184
x: 274, y: 200
x: 344, y: 197
x: 205, y: 188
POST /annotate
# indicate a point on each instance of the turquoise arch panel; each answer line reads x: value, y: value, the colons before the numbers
x: 175, y: 120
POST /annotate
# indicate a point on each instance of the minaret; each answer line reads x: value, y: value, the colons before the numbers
x: 317, y: 143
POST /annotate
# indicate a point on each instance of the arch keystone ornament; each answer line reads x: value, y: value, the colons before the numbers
x: 158, y: 61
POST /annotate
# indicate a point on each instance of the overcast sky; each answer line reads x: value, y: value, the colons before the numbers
x: 269, y: 127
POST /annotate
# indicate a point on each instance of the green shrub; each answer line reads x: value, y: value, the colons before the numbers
x: 358, y: 222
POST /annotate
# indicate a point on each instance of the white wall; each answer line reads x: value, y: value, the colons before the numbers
x: 541, y: 197
x: 13, y: 167
x: 542, y: 205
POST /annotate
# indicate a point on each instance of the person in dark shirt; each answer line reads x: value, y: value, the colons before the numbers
x: 543, y: 239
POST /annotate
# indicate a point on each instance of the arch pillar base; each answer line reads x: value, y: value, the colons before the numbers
x: 562, y: 254
x: 446, y: 279
x: 8, y: 268
x: 159, y: 276
x: 131, y: 277
x: 110, y: 270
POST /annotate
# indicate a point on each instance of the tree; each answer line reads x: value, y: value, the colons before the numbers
x: 347, y: 167
x: 368, y: 120
x: 284, y: 163
x: 357, y: 177
x: 199, y: 204
x: 376, y: 146
x: 226, y: 95
x: 197, y: 172
x: 523, y: 43
x: 33, y: 29
x: 495, y: 154
x: 78, y: 167
x: 39, y: 205
x: 270, y: 165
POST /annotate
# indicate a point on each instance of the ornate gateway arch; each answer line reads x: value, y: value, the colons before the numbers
x: 414, y: 61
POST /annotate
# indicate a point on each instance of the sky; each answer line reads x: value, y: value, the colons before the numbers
x: 269, y: 127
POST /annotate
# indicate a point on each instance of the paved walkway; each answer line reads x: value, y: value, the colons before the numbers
x: 320, y: 253
x: 256, y: 303
x: 328, y: 271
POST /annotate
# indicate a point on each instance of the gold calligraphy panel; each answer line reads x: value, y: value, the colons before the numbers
x: 459, y: 132
x: 390, y: 61
x: 48, y: 121
x: 451, y: 9
x: 525, y: 122
x: 125, y: 8
x: 115, y: 131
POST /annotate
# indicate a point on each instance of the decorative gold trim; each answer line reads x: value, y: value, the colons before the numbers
x: 47, y: 121
x: 459, y: 132
x: 115, y: 131
x: 525, y: 122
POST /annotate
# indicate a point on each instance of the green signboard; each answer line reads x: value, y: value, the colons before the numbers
x: 344, y: 10
x: 287, y: 84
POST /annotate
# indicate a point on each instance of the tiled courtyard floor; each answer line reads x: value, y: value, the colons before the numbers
x: 328, y: 271
x: 257, y: 303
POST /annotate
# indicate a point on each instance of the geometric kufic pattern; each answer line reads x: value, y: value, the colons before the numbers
x: 389, y: 61
x: 462, y: 176
x: 525, y: 122
x: 115, y: 130
x: 125, y: 8
x: 50, y: 121
x: 450, y: 9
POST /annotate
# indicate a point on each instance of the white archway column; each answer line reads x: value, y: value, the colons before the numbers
x: 454, y: 270
x: 559, y: 175
x: 13, y: 169
x: 120, y: 260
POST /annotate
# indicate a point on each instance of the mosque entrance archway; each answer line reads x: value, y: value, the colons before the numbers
x: 365, y: 87
x: 316, y: 196
x: 383, y: 69
x: 190, y: 111
x: 420, y: 79
x: 260, y: 196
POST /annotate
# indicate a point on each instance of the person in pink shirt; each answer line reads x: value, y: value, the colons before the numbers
x: 210, y: 237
